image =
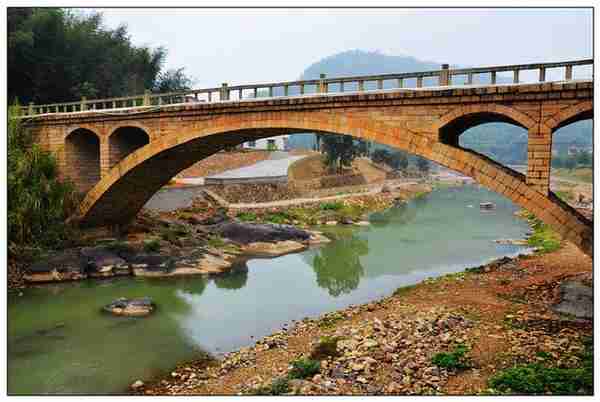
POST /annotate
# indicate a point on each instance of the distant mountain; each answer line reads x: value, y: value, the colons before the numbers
x: 359, y: 62
x: 500, y: 141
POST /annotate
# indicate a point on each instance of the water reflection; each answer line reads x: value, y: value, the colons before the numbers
x: 337, y: 266
x: 400, y: 214
x: 234, y: 279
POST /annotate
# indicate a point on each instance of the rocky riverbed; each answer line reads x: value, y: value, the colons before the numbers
x: 457, y: 334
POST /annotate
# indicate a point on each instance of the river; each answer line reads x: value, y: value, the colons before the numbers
x: 60, y: 342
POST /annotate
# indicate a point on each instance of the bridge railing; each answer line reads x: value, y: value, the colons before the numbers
x: 440, y: 78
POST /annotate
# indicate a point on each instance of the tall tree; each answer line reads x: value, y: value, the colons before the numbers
x: 58, y: 55
x: 341, y: 150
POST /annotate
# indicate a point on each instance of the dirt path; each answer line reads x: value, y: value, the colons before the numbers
x: 500, y: 312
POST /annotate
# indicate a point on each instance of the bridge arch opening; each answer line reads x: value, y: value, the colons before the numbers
x: 125, y: 140
x: 451, y: 132
x: 571, y: 174
x: 501, y: 136
x: 82, y: 158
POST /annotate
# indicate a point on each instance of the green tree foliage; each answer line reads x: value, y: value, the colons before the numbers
x: 340, y: 150
x: 38, y: 202
x: 396, y: 159
x: 172, y: 81
x: 58, y: 55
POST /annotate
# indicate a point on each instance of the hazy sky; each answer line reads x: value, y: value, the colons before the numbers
x: 260, y: 45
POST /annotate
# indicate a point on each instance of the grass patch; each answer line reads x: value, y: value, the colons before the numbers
x: 331, y: 206
x: 452, y: 360
x: 543, y: 238
x: 329, y: 321
x: 152, y: 246
x: 216, y: 241
x: 304, y: 368
x: 404, y: 290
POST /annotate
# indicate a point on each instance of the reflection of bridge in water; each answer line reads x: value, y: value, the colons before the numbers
x: 120, y: 151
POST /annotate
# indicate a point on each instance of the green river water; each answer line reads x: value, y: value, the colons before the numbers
x: 59, y: 342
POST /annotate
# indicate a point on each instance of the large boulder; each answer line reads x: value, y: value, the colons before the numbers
x: 102, y: 262
x: 245, y: 233
x: 140, y: 307
x: 145, y: 264
x: 576, y: 298
x: 62, y: 266
x: 273, y: 249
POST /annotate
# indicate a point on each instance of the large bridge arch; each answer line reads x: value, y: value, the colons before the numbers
x: 128, y: 185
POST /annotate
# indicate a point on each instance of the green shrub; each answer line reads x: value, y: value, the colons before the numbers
x: 118, y: 246
x: 170, y: 236
x: 247, y: 216
x: 38, y: 202
x: 152, y: 246
x: 538, y: 379
x: 331, y: 206
x: 279, y: 386
x: 326, y: 347
x: 304, y: 368
x: 277, y: 217
x: 453, y: 360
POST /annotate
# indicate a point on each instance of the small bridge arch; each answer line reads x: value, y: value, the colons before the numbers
x: 82, y: 158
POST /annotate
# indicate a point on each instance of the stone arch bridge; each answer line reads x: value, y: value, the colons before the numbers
x: 120, y: 151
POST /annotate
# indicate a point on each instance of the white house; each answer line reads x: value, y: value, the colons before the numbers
x: 279, y: 143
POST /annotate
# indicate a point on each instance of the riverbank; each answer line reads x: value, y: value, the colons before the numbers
x: 458, y: 334
x: 203, y: 239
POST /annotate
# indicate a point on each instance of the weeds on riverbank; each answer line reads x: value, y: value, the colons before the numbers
x: 544, y: 238
x: 216, y: 241
x: 452, y: 360
x: 543, y: 378
x: 304, y: 368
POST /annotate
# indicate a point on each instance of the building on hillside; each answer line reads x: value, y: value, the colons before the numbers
x: 279, y: 143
